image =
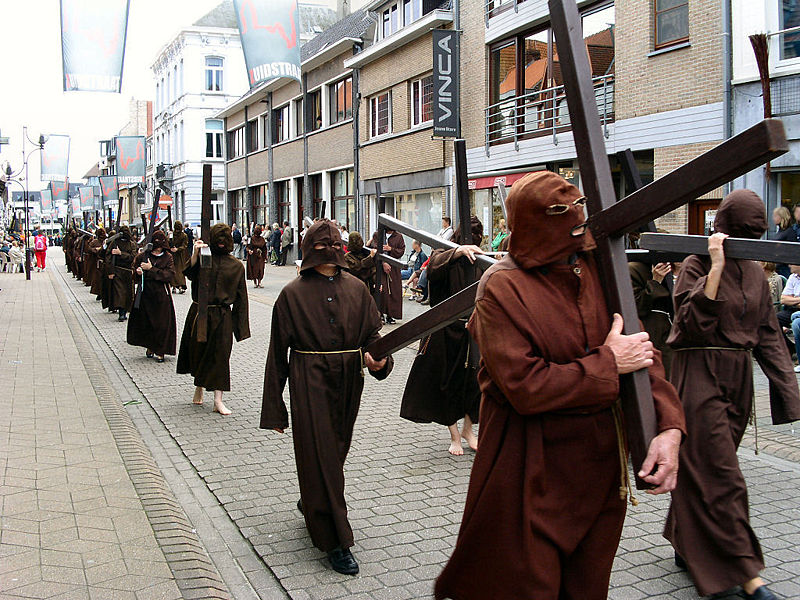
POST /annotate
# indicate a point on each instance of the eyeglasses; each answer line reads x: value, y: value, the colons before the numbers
x: 560, y: 209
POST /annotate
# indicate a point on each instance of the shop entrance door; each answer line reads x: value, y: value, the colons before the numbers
x: 701, y: 216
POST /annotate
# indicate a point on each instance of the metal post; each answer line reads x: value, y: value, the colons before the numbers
x: 27, y: 224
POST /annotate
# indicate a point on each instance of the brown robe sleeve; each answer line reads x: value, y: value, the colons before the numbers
x: 696, y: 315
x: 373, y: 322
x: 398, y: 245
x: 645, y: 289
x: 191, y: 270
x: 530, y: 383
x: 273, y: 409
x: 669, y: 410
x: 438, y: 263
x: 163, y: 268
x: 241, y: 316
x: 774, y: 360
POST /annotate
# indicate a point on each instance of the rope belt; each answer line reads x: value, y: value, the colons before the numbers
x: 359, y: 351
x: 625, y: 489
x: 711, y: 348
x: 663, y: 312
x: 211, y: 305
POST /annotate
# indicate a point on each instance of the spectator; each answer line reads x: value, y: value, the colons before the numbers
x: 190, y: 234
x: 501, y: 235
x: 415, y: 261
x: 790, y: 299
x: 275, y: 244
x: 775, y: 282
x: 446, y: 232
x: 784, y: 232
x: 237, y: 241
x: 287, y: 241
x: 419, y: 284
x: 17, y: 256
x: 40, y: 246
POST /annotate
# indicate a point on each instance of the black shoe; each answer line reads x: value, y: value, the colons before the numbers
x: 122, y: 317
x: 342, y: 561
x: 149, y: 354
x: 390, y: 321
x: 160, y: 359
x: 300, y: 507
x: 680, y: 563
x: 761, y: 593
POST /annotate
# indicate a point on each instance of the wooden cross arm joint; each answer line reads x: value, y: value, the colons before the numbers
x: 737, y: 248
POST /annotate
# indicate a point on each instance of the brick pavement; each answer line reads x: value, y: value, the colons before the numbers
x: 73, y: 525
x: 405, y: 492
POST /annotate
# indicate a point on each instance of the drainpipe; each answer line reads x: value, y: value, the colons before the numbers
x: 360, y: 224
x: 273, y: 201
x: 246, y: 166
x: 727, y: 75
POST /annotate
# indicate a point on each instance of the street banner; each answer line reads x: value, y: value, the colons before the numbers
x: 76, y: 205
x: 446, y: 108
x: 46, y: 201
x: 59, y: 191
x: 268, y: 30
x: 130, y: 158
x: 110, y: 188
x: 93, y: 44
x: 86, y: 198
x: 55, y: 158
x: 62, y: 211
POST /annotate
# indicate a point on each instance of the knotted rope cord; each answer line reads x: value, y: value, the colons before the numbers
x: 359, y: 351
x: 625, y: 489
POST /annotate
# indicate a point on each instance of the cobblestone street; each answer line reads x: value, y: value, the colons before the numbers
x: 405, y: 493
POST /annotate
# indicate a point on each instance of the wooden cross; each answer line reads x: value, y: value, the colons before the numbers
x: 608, y: 219
x: 148, y: 245
x: 205, y: 257
x: 739, y: 248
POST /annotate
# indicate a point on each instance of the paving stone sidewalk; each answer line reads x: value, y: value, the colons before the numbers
x: 405, y: 493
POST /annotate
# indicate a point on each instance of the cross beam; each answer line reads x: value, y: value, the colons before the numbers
x: 738, y: 248
x: 205, y: 256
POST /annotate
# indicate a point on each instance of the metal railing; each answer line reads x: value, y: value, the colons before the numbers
x: 542, y: 112
x: 492, y: 7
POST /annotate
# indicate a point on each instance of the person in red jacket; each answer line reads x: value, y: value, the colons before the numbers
x: 40, y: 247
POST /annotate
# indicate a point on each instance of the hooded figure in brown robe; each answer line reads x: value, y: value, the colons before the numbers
x: 179, y: 244
x: 256, y: 256
x: 123, y: 251
x: 107, y: 284
x: 715, y: 339
x: 654, y: 305
x: 90, y: 249
x: 97, y: 253
x: 442, y: 386
x: 66, y: 247
x: 360, y: 261
x: 77, y: 256
x: 321, y: 323
x: 209, y: 362
x: 152, y: 325
x: 391, y: 280
x: 546, y: 498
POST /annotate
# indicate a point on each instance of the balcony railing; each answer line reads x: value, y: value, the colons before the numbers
x: 541, y: 113
x: 494, y: 7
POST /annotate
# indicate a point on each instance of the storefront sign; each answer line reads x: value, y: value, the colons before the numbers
x: 446, y: 109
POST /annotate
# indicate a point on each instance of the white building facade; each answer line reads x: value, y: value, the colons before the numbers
x: 196, y: 74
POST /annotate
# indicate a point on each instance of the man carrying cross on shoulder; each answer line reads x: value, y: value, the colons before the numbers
x: 546, y: 499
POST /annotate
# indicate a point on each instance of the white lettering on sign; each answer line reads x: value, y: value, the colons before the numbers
x: 445, y: 77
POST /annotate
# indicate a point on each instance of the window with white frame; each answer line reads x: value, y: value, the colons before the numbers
x: 399, y: 14
x: 412, y: 10
x: 298, y: 117
x: 341, y: 100
x: 315, y: 110
x: 280, y: 124
x: 214, y: 138
x: 789, y: 18
x: 236, y: 146
x: 380, y: 114
x: 213, y: 74
x: 158, y: 98
x: 390, y: 20
x: 422, y: 100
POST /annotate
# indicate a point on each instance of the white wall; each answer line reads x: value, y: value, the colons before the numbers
x: 757, y: 16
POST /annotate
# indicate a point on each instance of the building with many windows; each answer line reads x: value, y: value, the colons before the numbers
x: 197, y: 73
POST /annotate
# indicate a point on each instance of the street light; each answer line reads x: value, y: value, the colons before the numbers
x: 12, y: 177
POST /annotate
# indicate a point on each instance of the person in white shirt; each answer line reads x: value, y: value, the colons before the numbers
x: 446, y: 232
x: 790, y: 299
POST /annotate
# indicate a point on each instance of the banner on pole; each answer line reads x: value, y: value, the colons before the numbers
x: 446, y: 105
x: 130, y: 158
x: 55, y: 158
x: 76, y: 205
x: 86, y: 198
x: 93, y: 36
x: 59, y: 191
x: 110, y: 189
x: 268, y: 30
x: 46, y: 200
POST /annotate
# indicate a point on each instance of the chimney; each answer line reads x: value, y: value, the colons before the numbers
x: 342, y: 8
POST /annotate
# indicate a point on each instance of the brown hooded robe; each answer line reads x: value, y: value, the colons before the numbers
x: 654, y: 307
x: 122, y: 283
x: 325, y: 322
x: 708, y: 523
x: 209, y: 362
x: 152, y: 325
x: 359, y: 261
x: 392, y: 294
x: 98, y: 252
x: 442, y: 386
x: 179, y: 241
x: 544, y: 510
x: 256, y: 259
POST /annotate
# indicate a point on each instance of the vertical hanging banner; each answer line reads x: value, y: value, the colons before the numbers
x: 55, y: 158
x: 446, y: 106
x: 93, y: 44
x: 130, y: 158
x: 76, y: 205
x: 110, y: 189
x: 59, y: 190
x: 86, y: 198
x: 268, y: 29
x: 46, y: 201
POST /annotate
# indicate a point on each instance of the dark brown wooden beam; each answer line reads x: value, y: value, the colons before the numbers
x: 738, y: 248
x: 436, y: 318
x: 205, y: 257
x: 729, y: 160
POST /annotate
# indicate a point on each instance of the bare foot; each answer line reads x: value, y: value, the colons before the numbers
x: 470, y: 438
x: 221, y: 408
x: 456, y: 449
x: 198, y: 396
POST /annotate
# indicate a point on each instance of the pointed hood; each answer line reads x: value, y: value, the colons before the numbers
x: 324, y: 233
x: 742, y: 214
x: 221, y: 239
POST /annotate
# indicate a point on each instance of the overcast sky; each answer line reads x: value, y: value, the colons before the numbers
x: 31, y: 91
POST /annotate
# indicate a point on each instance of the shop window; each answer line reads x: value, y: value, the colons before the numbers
x: 671, y: 22
x: 315, y: 182
x: 260, y: 195
x: 343, y: 200
x: 281, y: 197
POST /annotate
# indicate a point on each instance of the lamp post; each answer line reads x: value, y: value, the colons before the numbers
x: 13, y: 177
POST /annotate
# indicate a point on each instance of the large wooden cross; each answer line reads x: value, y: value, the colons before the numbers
x: 608, y: 219
x: 205, y: 256
x: 148, y: 246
